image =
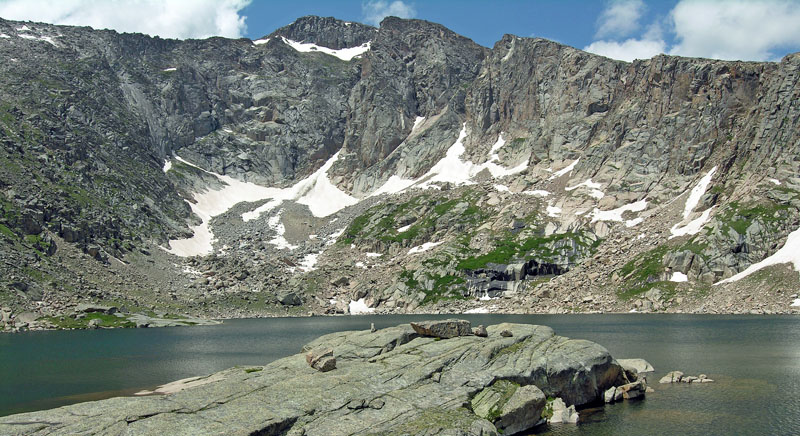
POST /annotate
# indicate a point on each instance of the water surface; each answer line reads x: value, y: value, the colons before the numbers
x: 755, y: 361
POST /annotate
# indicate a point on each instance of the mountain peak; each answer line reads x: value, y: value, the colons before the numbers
x: 328, y: 32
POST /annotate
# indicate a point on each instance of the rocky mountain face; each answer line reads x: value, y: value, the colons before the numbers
x: 335, y: 167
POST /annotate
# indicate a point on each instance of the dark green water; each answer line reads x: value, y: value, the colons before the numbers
x: 755, y: 361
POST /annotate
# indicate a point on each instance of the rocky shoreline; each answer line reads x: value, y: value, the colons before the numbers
x: 433, y: 377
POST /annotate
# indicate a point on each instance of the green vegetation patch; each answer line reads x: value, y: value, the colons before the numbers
x: 535, y: 247
x: 106, y: 321
x: 489, y: 402
x: 443, y: 289
x: 382, y: 221
x: 739, y: 217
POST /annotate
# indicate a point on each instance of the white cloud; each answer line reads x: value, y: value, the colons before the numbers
x: 649, y: 45
x: 376, y: 10
x: 166, y: 18
x: 752, y: 30
x: 735, y: 29
x: 620, y: 18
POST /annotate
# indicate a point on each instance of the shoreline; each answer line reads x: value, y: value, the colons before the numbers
x: 199, y: 321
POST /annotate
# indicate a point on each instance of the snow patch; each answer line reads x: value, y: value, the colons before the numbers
x: 424, y: 247
x: 46, y: 39
x: 789, y: 253
x: 3, y: 35
x: 451, y: 169
x: 167, y: 165
x: 634, y: 222
x: 616, y: 214
x: 678, y: 277
x: 564, y: 171
x: 167, y: 70
x: 478, y: 310
x: 496, y: 147
x: 279, y: 240
x: 261, y: 41
x: 594, y: 188
x: 795, y: 303
x: 360, y: 307
x: 23, y: 29
x: 693, y: 227
x: 537, y: 193
x: 361, y: 265
x: 501, y: 188
x: 309, y: 262
x: 404, y: 228
x: 697, y: 193
x: 417, y: 122
x: 208, y: 204
x: 394, y: 185
x: 588, y: 183
x: 335, y: 236
x: 344, y: 54
x: 553, y: 211
x: 316, y: 191
x: 775, y: 181
x: 374, y: 254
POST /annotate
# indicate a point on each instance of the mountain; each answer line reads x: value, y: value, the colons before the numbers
x: 334, y: 167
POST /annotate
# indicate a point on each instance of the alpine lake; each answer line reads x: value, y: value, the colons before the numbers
x: 754, y: 360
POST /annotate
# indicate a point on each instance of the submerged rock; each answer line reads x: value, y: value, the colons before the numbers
x: 671, y: 377
x: 392, y: 381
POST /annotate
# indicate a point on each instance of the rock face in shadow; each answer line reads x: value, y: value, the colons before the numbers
x: 391, y: 381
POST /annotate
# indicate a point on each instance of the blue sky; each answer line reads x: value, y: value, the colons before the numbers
x: 571, y: 22
x: 621, y: 29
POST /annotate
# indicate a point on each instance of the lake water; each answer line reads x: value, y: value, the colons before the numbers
x: 755, y: 361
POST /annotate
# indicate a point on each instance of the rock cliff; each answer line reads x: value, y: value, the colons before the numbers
x: 336, y: 167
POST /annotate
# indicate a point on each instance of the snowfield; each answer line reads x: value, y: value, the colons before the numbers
x: 694, y: 226
x: 359, y: 307
x: 315, y: 191
x: 616, y: 214
x: 344, y: 54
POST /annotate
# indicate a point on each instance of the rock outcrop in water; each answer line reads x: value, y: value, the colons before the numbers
x: 392, y: 381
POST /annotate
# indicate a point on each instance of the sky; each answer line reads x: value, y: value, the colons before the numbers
x: 757, y: 30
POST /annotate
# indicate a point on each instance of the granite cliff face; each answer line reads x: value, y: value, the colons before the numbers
x: 336, y: 167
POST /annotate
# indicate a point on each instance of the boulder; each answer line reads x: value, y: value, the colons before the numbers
x: 562, y: 413
x: 446, y: 329
x: 612, y: 395
x: 523, y: 410
x: 289, y: 298
x: 511, y: 407
x: 506, y: 333
x: 671, y: 377
x: 90, y: 308
x: 94, y: 323
x: 632, y: 390
x: 639, y: 365
x: 480, y: 331
x: 313, y: 357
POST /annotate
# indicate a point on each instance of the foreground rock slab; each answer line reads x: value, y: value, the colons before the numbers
x: 392, y: 381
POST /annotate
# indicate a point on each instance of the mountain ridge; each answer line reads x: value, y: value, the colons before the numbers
x: 549, y: 142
